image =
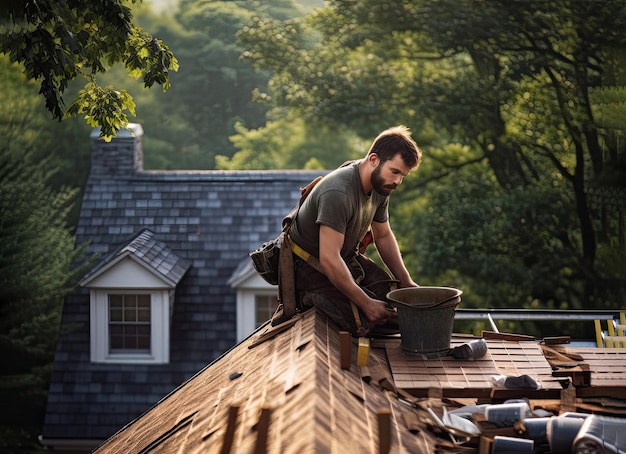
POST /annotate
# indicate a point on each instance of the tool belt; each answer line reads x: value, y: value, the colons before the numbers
x: 377, y: 289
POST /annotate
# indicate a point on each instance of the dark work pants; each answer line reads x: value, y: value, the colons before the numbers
x: 315, y: 289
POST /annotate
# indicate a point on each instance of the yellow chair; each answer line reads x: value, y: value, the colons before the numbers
x: 614, y: 336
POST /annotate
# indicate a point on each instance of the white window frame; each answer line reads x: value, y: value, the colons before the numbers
x: 246, y: 309
x: 159, y: 327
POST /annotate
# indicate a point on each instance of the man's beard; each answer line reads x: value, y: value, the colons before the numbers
x: 378, y: 183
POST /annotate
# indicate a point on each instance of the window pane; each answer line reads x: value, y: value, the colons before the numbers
x: 143, y: 337
x: 117, y: 336
x: 130, y: 314
x: 116, y: 300
x: 143, y: 314
x: 143, y: 301
x: 265, y: 307
x: 115, y: 315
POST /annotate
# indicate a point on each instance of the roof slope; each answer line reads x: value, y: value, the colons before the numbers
x: 283, y: 390
x: 313, y: 404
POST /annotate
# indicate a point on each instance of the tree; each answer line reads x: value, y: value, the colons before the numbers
x: 57, y: 42
x: 538, y: 63
x: 291, y: 143
x: 189, y: 125
x: 214, y: 91
x: 499, y: 93
x: 36, y: 252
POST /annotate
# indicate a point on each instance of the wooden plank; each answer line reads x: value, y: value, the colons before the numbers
x: 272, y: 331
x: 384, y: 430
x: 618, y: 392
x: 556, y: 340
x: 346, y: 349
x: 506, y: 336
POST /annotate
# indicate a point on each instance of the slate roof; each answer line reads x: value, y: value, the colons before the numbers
x: 208, y: 219
x: 144, y: 249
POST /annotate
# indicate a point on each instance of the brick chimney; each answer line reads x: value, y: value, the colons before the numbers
x: 121, y: 156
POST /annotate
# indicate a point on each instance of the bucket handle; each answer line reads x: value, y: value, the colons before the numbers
x: 402, y: 303
x: 384, y: 281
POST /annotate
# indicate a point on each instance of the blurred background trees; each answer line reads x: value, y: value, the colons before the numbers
x: 507, y: 101
x: 36, y: 252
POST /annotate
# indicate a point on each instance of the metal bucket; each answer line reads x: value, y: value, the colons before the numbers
x: 425, y: 318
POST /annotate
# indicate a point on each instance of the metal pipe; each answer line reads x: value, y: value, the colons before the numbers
x: 534, y: 314
x: 493, y: 324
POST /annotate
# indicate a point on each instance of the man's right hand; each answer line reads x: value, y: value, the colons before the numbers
x: 376, y: 311
x: 335, y: 268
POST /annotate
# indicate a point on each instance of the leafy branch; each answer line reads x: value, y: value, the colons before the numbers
x: 57, y: 42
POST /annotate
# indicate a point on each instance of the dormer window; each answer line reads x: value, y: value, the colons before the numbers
x: 131, y: 298
x: 129, y: 326
x: 256, y: 299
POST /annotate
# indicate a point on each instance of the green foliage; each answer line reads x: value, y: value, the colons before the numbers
x: 609, y: 106
x: 291, y: 144
x: 36, y: 248
x: 505, y: 96
x: 319, y: 77
x: 212, y: 91
x: 494, y: 238
x: 103, y: 107
x: 57, y: 42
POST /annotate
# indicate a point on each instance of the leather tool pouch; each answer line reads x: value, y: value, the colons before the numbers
x: 265, y: 259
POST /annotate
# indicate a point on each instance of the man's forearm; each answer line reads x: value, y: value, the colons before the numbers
x: 339, y: 275
x: 390, y: 254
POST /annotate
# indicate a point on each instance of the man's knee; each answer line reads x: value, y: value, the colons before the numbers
x: 336, y: 309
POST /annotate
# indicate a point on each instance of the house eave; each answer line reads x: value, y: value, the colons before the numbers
x: 69, y: 444
x: 242, y: 273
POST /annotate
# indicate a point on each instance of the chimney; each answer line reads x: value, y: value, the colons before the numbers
x: 122, y: 156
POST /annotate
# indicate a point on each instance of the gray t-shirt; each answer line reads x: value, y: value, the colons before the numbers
x: 339, y: 202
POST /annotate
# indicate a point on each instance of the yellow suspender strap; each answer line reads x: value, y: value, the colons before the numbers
x: 304, y: 255
x: 313, y: 261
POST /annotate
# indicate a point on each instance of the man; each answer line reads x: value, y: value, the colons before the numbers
x: 333, y: 221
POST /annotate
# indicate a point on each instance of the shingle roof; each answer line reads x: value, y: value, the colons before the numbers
x: 313, y: 405
x: 284, y: 390
x: 209, y: 219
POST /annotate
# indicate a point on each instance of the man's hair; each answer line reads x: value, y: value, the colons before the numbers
x: 394, y: 140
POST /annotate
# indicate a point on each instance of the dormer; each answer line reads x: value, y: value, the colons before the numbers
x: 131, y: 300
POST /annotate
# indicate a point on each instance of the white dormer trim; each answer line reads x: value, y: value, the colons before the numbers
x: 249, y: 285
x: 126, y: 267
x: 128, y: 276
x: 159, y: 328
